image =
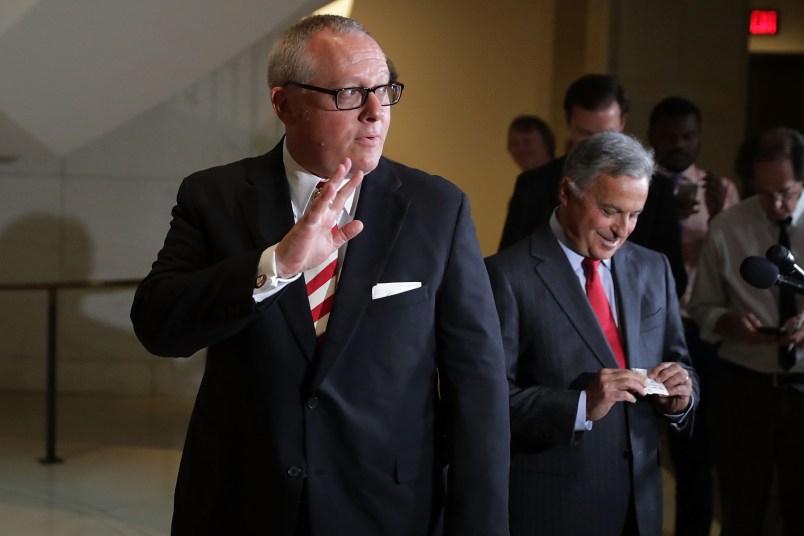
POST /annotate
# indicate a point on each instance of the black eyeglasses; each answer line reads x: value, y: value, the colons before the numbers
x: 351, y: 98
x: 784, y: 196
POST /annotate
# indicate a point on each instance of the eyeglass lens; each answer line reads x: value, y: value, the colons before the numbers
x: 350, y: 98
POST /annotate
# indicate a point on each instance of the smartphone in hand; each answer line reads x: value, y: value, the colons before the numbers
x: 771, y: 330
x: 687, y: 190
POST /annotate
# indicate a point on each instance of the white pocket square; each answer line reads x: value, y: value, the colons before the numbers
x: 383, y: 290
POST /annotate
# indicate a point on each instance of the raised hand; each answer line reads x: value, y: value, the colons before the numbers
x: 311, y: 240
x: 715, y: 193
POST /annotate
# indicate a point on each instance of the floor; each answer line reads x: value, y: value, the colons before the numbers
x: 120, y: 456
x: 119, y: 461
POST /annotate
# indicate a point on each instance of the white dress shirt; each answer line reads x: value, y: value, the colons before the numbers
x: 741, y: 231
x: 302, y: 185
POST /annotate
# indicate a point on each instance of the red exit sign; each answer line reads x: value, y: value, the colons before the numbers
x: 764, y: 22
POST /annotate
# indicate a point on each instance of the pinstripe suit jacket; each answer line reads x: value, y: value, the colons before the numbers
x: 562, y: 481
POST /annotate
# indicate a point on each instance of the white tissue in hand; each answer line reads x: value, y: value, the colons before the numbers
x: 654, y: 387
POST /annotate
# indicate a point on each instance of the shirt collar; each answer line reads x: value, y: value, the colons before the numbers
x: 798, y: 211
x: 302, y: 184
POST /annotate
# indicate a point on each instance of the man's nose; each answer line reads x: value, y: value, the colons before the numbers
x: 372, y: 109
x: 677, y: 142
x: 623, y: 225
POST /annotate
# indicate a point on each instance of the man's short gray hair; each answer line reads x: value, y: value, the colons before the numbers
x: 288, y: 60
x: 607, y: 153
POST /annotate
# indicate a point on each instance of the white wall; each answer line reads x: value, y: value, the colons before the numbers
x: 101, y: 213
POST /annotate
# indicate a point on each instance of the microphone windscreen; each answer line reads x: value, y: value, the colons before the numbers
x: 781, y: 257
x: 759, y: 272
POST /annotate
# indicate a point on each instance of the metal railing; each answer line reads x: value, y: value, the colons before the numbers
x: 52, y: 290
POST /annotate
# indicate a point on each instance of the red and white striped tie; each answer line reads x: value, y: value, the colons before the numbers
x: 321, y: 291
x: 321, y: 286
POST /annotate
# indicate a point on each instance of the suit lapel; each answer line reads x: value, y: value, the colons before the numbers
x: 265, y: 203
x: 560, y: 280
x: 382, y: 206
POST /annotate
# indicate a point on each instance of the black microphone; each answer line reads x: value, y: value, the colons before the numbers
x: 762, y: 273
x: 783, y: 258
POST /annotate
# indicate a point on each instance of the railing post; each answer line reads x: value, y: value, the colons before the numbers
x: 52, y: 290
x: 50, y: 402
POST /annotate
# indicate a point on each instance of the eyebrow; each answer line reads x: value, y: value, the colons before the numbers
x: 617, y: 208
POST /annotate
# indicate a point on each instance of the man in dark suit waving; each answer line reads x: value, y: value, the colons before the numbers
x: 340, y: 382
x: 592, y: 335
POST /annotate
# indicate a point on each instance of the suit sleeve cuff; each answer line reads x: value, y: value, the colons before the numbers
x: 267, y: 282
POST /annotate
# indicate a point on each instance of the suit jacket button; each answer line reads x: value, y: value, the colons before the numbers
x: 294, y: 471
x: 628, y: 455
x: 312, y: 403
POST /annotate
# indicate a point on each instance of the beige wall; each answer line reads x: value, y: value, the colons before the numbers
x: 469, y: 68
x: 678, y: 48
x: 467, y: 77
x: 581, y: 46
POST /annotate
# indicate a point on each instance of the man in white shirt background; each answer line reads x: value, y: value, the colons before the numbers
x: 758, y: 397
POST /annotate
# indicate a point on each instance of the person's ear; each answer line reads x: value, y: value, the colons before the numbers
x: 283, y: 107
x: 564, y: 191
x: 623, y: 121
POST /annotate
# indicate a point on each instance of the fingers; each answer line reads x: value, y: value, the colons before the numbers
x: 795, y: 327
x: 754, y: 332
x: 683, y: 380
x: 751, y: 321
x: 326, y: 209
x: 622, y: 380
x: 606, y: 390
x: 343, y: 186
x: 316, y: 234
x: 339, y: 188
x: 667, y: 370
x: 675, y: 378
x: 714, y: 186
x: 349, y: 231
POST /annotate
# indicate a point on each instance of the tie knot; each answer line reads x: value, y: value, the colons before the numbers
x: 784, y: 236
x: 590, y: 263
x: 320, y: 184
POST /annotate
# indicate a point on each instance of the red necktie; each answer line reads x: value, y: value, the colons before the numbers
x: 600, y: 305
x: 321, y: 286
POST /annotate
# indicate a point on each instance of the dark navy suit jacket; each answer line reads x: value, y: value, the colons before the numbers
x: 402, y: 385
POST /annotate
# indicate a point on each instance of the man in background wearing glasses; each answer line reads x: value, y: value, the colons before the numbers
x: 355, y: 377
x: 757, y: 400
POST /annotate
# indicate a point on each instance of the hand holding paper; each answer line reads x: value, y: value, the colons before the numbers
x: 654, y: 387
